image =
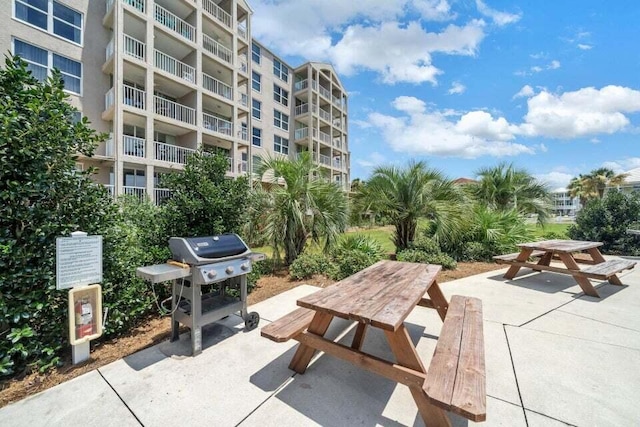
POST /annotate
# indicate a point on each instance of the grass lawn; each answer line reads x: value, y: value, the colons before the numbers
x: 549, y: 228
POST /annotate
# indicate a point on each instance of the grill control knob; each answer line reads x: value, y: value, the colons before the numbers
x: 229, y: 270
x: 212, y: 274
x: 244, y: 266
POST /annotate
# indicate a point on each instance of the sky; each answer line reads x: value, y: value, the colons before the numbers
x: 550, y: 86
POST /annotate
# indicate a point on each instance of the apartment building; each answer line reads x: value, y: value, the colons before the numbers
x: 166, y: 77
x: 563, y: 204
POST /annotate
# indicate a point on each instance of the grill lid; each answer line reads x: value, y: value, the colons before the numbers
x: 199, y: 250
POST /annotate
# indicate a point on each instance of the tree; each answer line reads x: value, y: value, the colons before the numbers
x: 593, y: 184
x: 406, y: 194
x: 505, y: 187
x: 303, y: 206
x: 579, y: 187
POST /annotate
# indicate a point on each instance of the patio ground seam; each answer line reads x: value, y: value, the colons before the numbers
x: 515, y: 375
x: 119, y: 397
x: 600, y: 321
x: 283, y: 385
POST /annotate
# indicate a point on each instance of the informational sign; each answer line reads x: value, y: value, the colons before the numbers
x: 78, y: 260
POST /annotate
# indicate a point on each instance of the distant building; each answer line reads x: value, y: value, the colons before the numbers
x: 563, y: 204
x: 632, y: 182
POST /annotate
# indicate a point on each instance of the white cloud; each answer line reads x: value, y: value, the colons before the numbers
x: 374, y: 159
x: 623, y: 165
x: 538, y: 55
x: 499, y: 18
x: 457, y: 88
x: 584, y: 46
x: 554, y: 65
x: 434, y: 10
x: 555, y: 179
x: 526, y: 92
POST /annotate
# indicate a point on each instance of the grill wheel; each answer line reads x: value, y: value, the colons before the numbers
x: 251, y: 321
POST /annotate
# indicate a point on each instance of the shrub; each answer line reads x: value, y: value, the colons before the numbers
x: 553, y: 235
x: 346, y: 263
x: 415, y: 255
x: 426, y: 244
x: 306, y: 265
x: 476, y: 251
x: 360, y: 243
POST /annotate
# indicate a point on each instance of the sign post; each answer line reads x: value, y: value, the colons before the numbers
x: 79, y: 268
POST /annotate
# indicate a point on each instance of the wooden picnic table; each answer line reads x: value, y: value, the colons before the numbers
x: 565, y: 250
x: 382, y: 296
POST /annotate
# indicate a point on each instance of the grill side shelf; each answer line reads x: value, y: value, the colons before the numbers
x: 162, y: 272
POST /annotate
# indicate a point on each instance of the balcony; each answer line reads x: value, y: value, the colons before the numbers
x: 110, y: 188
x: 242, y: 166
x: 301, y: 133
x: 139, y: 192
x: 217, y: 49
x: 244, y: 99
x: 325, y: 115
x: 337, y: 123
x: 242, y: 33
x: 302, y: 109
x: 243, y: 134
x: 174, y: 67
x: 216, y: 124
x: 109, y: 50
x: 136, y: 4
x: 217, y: 87
x: 324, y: 137
x: 337, y: 143
x: 336, y: 101
x: 217, y: 13
x: 173, y: 110
x: 337, y: 163
x: 109, y: 99
x: 175, y: 24
x: 325, y: 160
x: 301, y: 85
x: 325, y: 92
x: 134, y: 48
x: 133, y: 146
x: 172, y: 153
x: 161, y: 194
x: 134, y: 97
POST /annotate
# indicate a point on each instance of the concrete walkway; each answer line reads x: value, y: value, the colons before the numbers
x: 554, y: 357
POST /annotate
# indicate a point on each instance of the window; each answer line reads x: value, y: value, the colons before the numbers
x: 256, y: 81
x: 256, y: 52
x: 256, y: 137
x: 280, y: 120
x: 255, y: 110
x: 134, y: 178
x: 280, y: 95
x: 280, y: 70
x: 280, y: 144
x: 40, y: 61
x: 256, y: 163
x: 51, y: 16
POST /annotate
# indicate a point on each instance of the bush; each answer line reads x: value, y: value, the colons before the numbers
x: 426, y: 244
x: 346, y: 263
x: 476, y: 251
x: 306, y: 265
x: 415, y: 255
x: 553, y: 235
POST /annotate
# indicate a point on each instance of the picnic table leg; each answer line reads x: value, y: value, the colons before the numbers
x: 596, y: 255
x: 407, y: 356
x: 545, y: 260
x: 437, y: 298
x: 304, y: 353
x: 513, y: 270
x: 584, y: 283
x: 358, y: 338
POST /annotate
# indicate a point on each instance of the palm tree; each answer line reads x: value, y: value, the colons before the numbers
x: 407, y: 194
x: 505, y: 187
x: 582, y: 188
x: 592, y: 185
x: 301, y: 207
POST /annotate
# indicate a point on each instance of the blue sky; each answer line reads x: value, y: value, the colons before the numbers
x: 553, y: 87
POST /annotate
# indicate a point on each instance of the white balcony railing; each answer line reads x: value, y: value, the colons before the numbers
x: 336, y: 101
x: 242, y: 64
x: 302, y: 109
x: 243, y: 134
x: 325, y: 137
x: 172, y: 66
x: 302, y: 84
x: 172, y: 153
x: 217, y: 12
x: 135, y: 48
x: 133, y: 146
x: 301, y: 133
x: 217, y: 49
x: 325, y: 92
x: 110, y: 189
x: 137, y: 4
x: 175, y: 111
x: 175, y: 24
x: 242, y: 33
x: 244, y: 99
x: 109, y: 99
x: 337, y: 143
x: 337, y: 123
x: 161, y: 194
x: 229, y: 164
x: 325, y: 160
x: 325, y: 115
x: 216, y: 86
x: 216, y: 124
x: 242, y: 166
x: 138, y: 192
x: 134, y: 97
x: 337, y: 163
x: 109, y: 5
x: 108, y: 53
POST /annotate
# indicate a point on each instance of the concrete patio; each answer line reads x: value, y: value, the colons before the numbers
x: 554, y: 357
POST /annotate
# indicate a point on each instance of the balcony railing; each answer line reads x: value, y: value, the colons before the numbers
x: 337, y: 163
x: 161, y: 194
x: 301, y: 133
x: 175, y: 111
x: 325, y: 137
x: 325, y: 160
x: 110, y: 188
x: 217, y: 12
x: 109, y: 5
x: 172, y: 153
x: 325, y: 92
x: 216, y: 86
x: 216, y: 124
x: 337, y: 143
x: 242, y: 33
x: 108, y: 53
x: 139, y: 192
x: 138, y: 4
x: 243, y: 134
x: 325, y: 115
x: 302, y: 109
x: 135, y: 48
x: 133, y: 146
x: 217, y: 49
x: 244, y: 99
x: 336, y: 101
x: 242, y: 166
x: 242, y: 64
x: 337, y: 123
x: 302, y: 84
x: 175, y: 24
x: 109, y: 99
x: 134, y: 97
x: 172, y: 66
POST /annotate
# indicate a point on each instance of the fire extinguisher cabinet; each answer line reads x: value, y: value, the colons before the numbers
x: 85, y: 314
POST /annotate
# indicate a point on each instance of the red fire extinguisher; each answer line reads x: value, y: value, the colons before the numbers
x: 84, y: 317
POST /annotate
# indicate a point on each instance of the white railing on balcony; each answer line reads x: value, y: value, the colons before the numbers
x: 134, y: 47
x: 243, y: 134
x: 216, y: 86
x: 174, y: 23
x: 138, y: 192
x: 244, y: 99
x: 301, y: 133
x: 109, y: 5
x: 109, y: 146
x: 325, y: 92
x: 337, y: 123
x: 109, y: 99
x: 216, y: 124
x: 302, y: 84
x: 110, y: 189
x: 171, y: 65
x: 325, y: 137
x: 229, y: 164
x: 138, y: 4
x: 337, y: 143
x: 175, y: 111
x: 325, y: 160
x: 336, y: 101
x: 314, y: 84
x: 108, y: 53
x: 242, y: 166
x: 161, y: 194
x: 337, y: 163
x: 242, y: 33
x: 302, y: 109
x: 133, y: 97
x: 216, y: 49
x: 172, y: 153
x: 217, y: 12
x: 325, y: 115
x: 133, y: 146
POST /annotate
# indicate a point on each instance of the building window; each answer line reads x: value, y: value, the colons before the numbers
x: 255, y: 110
x: 134, y: 178
x: 256, y: 53
x: 280, y: 70
x: 256, y: 163
x: 51, y: 16
x: 256, y: 137
x: 256, y: 81
x: 280, y: 144
x: 280, y: 95
x: 41, y: 61
x: 280, y: 120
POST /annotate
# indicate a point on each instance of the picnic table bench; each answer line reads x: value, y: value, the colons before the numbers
x: 382, y: 296
x: 564, y: 250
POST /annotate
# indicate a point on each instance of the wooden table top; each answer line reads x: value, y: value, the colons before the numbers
x: 382, y: 295
x: 565, y: 246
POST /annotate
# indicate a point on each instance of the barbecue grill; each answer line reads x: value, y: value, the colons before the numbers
x: 204, y: 270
